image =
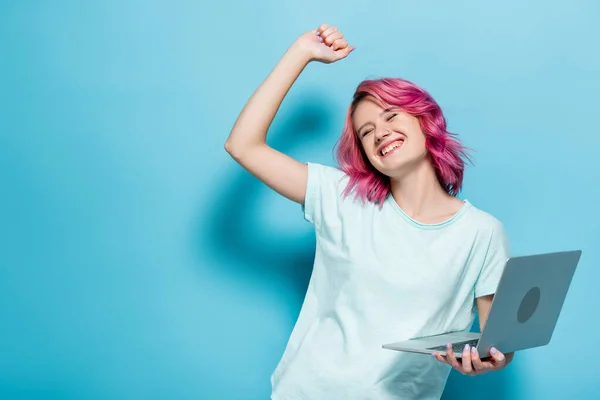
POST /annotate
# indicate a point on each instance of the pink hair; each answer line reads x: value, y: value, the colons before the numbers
x: 445, y: 150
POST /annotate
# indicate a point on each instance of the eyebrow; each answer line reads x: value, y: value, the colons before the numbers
x: 380, y: 114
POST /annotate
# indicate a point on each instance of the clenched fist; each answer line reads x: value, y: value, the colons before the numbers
x: 325, y: 44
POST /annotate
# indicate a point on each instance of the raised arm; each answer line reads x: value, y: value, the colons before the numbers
x: 247, y: 140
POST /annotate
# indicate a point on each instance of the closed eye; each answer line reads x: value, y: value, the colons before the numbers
x: 391, y: 117
x: 365, y: 133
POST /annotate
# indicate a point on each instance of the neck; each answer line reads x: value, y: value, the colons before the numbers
x: 419, y: 194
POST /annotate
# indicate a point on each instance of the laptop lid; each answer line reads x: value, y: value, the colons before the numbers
x: 528, y: 301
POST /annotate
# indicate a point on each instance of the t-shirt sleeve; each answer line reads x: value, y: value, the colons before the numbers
x: 494, y: 262
x: 324, y: 188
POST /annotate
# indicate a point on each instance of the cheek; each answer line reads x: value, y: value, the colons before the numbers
x: 368, y: 150
x: 367, y: 147
x: 418, y: 145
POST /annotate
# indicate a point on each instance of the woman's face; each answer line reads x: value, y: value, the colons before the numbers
x: 391, y: 139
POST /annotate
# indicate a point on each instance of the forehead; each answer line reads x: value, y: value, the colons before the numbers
x: 368, y: 108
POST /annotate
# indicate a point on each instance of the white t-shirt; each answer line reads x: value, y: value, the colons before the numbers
x: 380, y: 277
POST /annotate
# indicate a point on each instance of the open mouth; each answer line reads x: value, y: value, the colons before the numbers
x: 388, y: 149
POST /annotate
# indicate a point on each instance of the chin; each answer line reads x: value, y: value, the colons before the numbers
x: 397, y: 166
x: 390, y: 170
x: 392, y: 162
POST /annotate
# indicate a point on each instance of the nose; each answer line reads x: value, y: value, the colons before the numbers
x: 381, y: 134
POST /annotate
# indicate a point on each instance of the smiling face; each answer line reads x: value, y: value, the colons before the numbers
x: 391, y: 139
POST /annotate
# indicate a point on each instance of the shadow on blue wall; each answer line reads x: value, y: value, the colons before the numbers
x: 234, y: 234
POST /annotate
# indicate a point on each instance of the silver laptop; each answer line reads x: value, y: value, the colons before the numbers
x: 524, y: 312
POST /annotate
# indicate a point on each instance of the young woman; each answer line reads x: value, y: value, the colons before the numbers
x: 398, y: 255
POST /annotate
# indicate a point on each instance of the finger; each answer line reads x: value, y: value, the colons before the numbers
x: 476, y: 361
x: 322, y: 28
x: 467, y: 366
x: 332, y: 38
x: 440, y: 358
x: 329, y: 31
x: 498, y: 357
x: 343, y: 53
x: 452, y: 358
x: 339, y: 44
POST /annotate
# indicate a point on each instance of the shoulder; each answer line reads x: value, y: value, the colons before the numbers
x: 490, y: 229
x: 326, y: 174
x: 325, y: 182
x: 483, y: 220
x: 495, y: 247
x: 324, y: 193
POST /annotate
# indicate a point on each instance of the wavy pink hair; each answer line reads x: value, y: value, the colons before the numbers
x: 445, y: 150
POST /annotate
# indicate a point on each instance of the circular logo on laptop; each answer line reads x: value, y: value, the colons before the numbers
x: 528, y: 304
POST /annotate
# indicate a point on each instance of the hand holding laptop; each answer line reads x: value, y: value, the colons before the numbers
x: 471, y: 364
x: 523, y: 315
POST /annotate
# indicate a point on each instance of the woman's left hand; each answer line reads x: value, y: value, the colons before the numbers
x: 471, y: 364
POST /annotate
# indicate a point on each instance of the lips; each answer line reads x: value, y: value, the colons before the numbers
x: 389, y: 147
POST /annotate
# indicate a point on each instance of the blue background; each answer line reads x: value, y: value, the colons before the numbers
x: 139, y: 261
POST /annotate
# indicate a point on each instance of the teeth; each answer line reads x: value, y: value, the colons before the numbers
x: 390, y: 147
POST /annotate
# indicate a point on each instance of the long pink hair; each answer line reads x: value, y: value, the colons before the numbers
x: 445, y: 150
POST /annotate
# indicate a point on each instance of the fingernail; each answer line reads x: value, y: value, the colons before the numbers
x: 473, y: 350
x: 467, y: 347
x: 448, y: 345
x: 320, y: 39
x: 318, y: 33
x: 493, y: 350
